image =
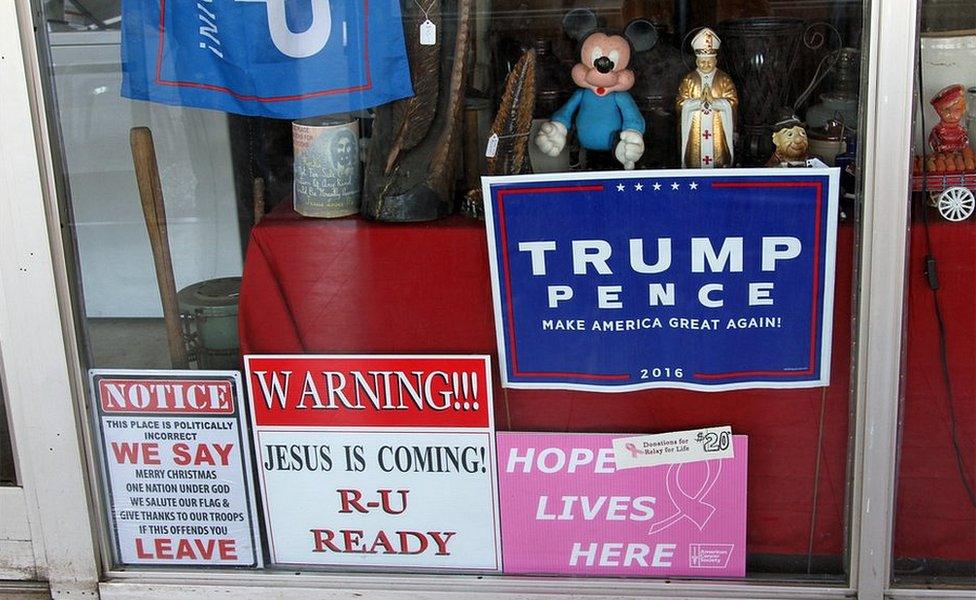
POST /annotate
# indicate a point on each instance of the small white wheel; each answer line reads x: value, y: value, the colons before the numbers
x: 956, y: 204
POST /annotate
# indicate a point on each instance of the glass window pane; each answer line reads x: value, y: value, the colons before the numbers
x: 250, y: 264
x: 935, y: 520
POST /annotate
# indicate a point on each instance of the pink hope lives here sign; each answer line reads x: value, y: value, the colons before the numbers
x: 566, y: 510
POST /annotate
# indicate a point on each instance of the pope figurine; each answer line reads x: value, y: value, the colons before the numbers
x: 707, y: 102
x: 949, y: 135
x: 606, y: 117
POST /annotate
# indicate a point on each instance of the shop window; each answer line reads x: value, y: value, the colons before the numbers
x: 337, y: 209
x: 935, y: 534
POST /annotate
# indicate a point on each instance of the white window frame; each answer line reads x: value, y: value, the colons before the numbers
x: 40, y: 364
x: 51, y: 507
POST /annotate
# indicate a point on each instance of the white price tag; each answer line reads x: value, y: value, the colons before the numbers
x: 673, y: 448
x: 428, y: 33
x: 492, y: 146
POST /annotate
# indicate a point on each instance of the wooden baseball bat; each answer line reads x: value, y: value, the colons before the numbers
x: 154, y: 210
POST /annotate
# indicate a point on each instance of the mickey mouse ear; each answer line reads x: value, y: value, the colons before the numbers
x: 642, y: 35
x: 579, y: 23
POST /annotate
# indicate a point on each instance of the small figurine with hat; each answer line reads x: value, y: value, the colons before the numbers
x: 608, y: 124
x: 790, y: 139
x: 949, y: 135
x: 707, y: 101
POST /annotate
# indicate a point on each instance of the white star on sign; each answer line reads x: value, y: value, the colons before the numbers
x: 657, y: 187
x: 638, y: 186
x: 620, y: 187
x: 693, y: 185
x: 675, y: 185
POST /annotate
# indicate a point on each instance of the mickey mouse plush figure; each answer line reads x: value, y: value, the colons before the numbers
x: 606, y: 117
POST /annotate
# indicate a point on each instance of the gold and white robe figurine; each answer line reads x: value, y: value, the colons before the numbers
x: 707, y: 102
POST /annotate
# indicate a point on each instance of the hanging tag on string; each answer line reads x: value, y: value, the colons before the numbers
x: 428, y: 33
x: 492, y: 146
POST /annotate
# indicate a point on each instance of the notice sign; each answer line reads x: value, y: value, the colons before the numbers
x: 376, y: 461
x: 176, y: 466
x: 706, y: 280
x: 566, y: 509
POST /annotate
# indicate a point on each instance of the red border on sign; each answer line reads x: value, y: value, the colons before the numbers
x: 508, y: 281
x: 728, y: 184
x: 217, y: 88
x: 816, y: 279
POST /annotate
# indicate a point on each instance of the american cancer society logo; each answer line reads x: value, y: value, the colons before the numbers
x: 709, y: 556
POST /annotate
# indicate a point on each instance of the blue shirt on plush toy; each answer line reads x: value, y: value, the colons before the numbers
x: 606, y: 116
x: 601, y: 118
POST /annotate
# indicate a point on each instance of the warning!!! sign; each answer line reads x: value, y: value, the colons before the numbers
x: 383, y: 461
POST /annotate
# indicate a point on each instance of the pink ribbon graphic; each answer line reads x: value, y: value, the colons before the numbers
x: 633, y: 450
x: 694, y: 508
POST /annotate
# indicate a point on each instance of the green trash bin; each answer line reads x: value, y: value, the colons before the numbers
x: 208, y: 310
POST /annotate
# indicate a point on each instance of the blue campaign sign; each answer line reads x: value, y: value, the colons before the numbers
x: 697, y: 279
x: 285, y: 59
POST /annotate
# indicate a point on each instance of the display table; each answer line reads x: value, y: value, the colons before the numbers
x: 352, y: 286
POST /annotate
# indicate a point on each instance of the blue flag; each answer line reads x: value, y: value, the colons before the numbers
x: 286, y: 59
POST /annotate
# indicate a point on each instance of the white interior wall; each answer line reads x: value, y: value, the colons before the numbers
x: 193, y: 153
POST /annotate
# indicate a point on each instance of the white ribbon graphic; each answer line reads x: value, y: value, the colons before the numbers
x: 694, y: 508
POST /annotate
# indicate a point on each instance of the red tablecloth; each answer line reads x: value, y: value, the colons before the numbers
x: 934, y: 515
x: 353, y: 286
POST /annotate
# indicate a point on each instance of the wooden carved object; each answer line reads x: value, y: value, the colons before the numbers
x: 413, y: 152
x: 512, y: 124
x: 413, y: 116
x: 514, y: 119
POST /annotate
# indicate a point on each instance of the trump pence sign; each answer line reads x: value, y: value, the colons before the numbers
x: 696, y: 279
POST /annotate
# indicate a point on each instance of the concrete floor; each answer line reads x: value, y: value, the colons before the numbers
x: 142, y: 344
x: 128, y: 344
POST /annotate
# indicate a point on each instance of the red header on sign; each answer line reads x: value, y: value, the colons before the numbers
x: 369, y: 391
x: 187, y: 396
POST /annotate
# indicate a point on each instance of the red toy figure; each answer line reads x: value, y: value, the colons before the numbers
x: 949, y: 135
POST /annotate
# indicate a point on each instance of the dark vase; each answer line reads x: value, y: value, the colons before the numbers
x: 658, y: 73
x: 759, y: 54
x: 554, y: 85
